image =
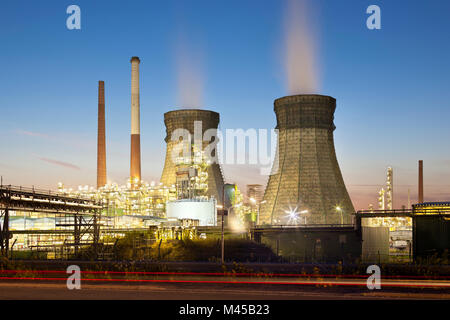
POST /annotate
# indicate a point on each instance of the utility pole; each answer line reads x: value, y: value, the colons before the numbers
x: 223, y: 230
x: 409, y: 200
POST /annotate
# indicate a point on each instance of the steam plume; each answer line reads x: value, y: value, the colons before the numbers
x: 300, y: 49
x: 190, y: 76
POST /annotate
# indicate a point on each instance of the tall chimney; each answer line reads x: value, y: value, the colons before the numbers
x: 101, y: 144
x: 420, y: 181
x: 135, y: 158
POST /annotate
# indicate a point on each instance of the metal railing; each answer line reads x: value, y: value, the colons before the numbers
x: 41, y: 192
x: 403, y: 212
x: 306, y: 226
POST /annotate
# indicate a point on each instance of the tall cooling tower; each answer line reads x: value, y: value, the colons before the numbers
x: 184, y: 119
x: 306, y: 184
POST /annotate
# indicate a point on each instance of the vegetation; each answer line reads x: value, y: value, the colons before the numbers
x: 238, y: 250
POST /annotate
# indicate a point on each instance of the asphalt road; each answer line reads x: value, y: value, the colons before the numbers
x: 43, y: 290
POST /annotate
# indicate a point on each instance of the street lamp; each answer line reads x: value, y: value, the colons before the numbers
x: 259, y: 209
x: 304, y: 212
x: 339, y: 209
x: 222, y: 240
x: 253, y: 202
x: 223, y: 229
x: 292, y: 215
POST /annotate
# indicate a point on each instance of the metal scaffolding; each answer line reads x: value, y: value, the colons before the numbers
x: 76, y: 219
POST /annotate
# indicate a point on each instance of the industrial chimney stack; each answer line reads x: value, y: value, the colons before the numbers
x: 101, y: 144
x: 420, y: 181
x: 135, y: 158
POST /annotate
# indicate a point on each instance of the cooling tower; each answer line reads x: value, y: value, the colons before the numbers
x: 101, y: 144
x: 135, y: 154
x: 185, y: 119
x: 306, y: 184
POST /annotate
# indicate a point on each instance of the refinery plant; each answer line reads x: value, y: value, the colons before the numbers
x: 224, y: 150
x: 304, y: 213
x: 189, y: 195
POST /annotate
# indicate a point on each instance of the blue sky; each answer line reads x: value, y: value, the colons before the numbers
x: 391, y: 85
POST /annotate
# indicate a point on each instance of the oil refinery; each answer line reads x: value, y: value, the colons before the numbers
x: 304, y: 214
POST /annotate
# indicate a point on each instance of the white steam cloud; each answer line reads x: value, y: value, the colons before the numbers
x: 189, y: 76
x: 300, y: 49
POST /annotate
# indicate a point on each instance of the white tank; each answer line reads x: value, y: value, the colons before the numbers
x: 203, y: 210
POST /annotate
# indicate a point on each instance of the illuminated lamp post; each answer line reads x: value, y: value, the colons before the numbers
x: 292, y: 215
x: 254, y: 203
x: 222, y: 239
x: 223, y: 229
x: 304, y: 212
x: 259, y: 209
x: 339, y: 209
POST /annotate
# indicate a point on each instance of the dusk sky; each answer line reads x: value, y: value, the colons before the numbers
x: 392, y: 85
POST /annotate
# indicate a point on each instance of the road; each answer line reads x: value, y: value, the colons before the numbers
x: 28, y: 289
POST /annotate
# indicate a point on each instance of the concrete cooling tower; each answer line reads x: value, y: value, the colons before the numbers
x: 306, y: 184
x: 185, y: 119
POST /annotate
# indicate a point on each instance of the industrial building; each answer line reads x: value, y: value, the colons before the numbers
x: 305, y: 212
x: 425, y: 228
x: 431, y: 230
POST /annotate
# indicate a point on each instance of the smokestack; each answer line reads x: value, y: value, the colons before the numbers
x: 101, y: 144
x: 420, y: 181
x: 135, y: 158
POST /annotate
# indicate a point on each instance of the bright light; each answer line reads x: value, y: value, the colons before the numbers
x: 304, y: 211
x: 236, y: 224
x: 338, y: 208
x: 292, y: 215
x: 252, y: 200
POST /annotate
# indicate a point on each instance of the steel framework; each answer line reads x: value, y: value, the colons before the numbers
x: 76, y: 218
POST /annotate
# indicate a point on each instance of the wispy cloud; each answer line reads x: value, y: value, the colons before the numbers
x: 59, y: 163
x: 33, y: 134
x: 66, y: 139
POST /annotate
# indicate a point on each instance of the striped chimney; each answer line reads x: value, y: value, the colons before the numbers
x: 135, y: 158
x: 101, y: 143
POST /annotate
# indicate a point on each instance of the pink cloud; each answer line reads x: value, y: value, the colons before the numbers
x: 60, y: 163
x: 65, y: 139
